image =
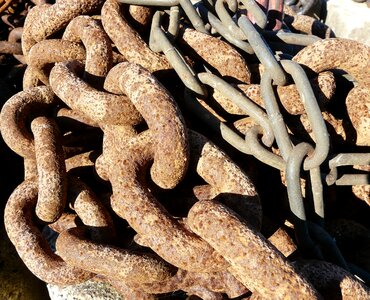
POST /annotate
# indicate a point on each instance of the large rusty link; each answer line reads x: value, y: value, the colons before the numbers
x: 99, y: 106
x: 199, y: 256
x: 31, y: 245
x: 16, y: 113
x: 223, y: 178
x: 118, y: 264
x: 88, y: 210
x: 51, y: 51
x: 58, y: 15
x: 218, y: 54
x: 99, y: 57
x: 335, y: 53
x: 27, y: 39
x: 128, y: 41
x: 51, y: 169
x: 164, y: 120
x: 151, y: 221
x: 16, y: 116
x: 214, y: 222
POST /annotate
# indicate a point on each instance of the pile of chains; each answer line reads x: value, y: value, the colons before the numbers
x: 122, y: 106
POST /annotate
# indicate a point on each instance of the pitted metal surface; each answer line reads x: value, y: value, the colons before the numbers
x: 199, y: 149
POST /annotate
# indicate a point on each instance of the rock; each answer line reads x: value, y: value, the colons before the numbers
x: 349, y: 19
x: 89, y: 290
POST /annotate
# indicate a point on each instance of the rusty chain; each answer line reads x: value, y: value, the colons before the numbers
x: 113, y: 163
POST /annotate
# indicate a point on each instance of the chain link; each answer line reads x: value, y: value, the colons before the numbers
x: 143, y: 150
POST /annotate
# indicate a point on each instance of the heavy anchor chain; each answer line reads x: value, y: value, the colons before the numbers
x: 144, y: 125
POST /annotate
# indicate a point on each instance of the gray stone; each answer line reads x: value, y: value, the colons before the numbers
x: 349, y: 19
x: 89, y: 290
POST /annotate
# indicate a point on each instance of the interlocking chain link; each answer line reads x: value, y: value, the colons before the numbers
x: 140, y: 199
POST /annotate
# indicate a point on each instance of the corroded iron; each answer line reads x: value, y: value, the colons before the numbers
x: 36, y: 254
x: 114, y: 94
x: 209, y: 217
x: 130, y: 44
x: 51, y: 170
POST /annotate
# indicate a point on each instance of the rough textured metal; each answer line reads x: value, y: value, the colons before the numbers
x: 58, y: 15
x: 225, y: 179
x: 309, y: 25
x: 65, y: 222
x: 348, y: 55
x: 81, y: 160
x: 332, y: 281
x: 31, y: 78
x: 128, y: 292
x: 138, y: 122
x: 99, y: 106
x: 114, y: 141
x: 246, y: 249
x: 204, y: 285
x: 218, y: 54
x: 70, y: 118
x: 164, y: 120
x: 116, y: 263
x: 358, y: 108
x: 51, y: 169
x: 99, y: 56
x: 14, y: 116
x: 30, y: 244
x: 133, y: 201
x: 27, y: 39
x: 362, y: 192
x: 141, y: 16
x: 30, y: 169
x: 283, y: 242
x: 128, y: 41
x: 48, y: 52
x: 90, y: 210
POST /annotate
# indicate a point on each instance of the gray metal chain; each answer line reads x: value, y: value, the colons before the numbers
x: 213, y: 17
